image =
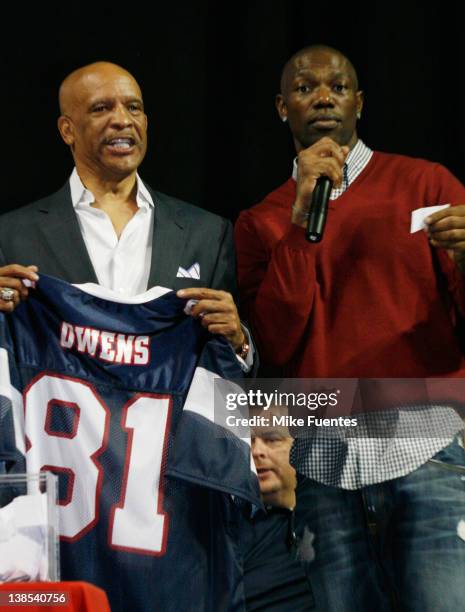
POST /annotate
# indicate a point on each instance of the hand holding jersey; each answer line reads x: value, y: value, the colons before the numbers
x: 217, y: 309
x: 11, y: 277
x: 218, y: 313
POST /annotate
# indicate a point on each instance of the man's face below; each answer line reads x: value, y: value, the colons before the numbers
x: 109, y: 124
x: 319, y: 98
x: 270, y: 450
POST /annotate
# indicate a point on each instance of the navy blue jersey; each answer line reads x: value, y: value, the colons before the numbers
x: 117, y: 399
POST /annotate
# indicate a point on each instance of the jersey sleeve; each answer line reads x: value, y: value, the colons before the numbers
x: 204, y: 452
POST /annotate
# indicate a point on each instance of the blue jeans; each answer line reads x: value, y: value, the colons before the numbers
x: 394, y: 546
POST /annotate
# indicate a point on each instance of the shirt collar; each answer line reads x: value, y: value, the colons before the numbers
x: 356, y: 160
x: 80, y: 195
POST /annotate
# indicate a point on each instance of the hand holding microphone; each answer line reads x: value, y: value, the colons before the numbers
x: 319, y: 168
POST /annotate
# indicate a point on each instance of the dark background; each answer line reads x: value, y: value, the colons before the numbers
x: 209, y: 72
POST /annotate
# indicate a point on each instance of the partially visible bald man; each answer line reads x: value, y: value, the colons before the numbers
x: 106, y: 226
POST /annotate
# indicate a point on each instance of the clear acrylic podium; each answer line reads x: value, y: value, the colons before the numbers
x: 29, y: 549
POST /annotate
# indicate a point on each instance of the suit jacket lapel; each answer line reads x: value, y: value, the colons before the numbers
x: 63, y: 237
x: 169, y: 238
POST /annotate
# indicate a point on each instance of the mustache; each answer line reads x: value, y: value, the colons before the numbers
x: 324, y: 117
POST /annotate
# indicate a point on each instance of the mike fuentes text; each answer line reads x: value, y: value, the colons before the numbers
x: 288, y: 421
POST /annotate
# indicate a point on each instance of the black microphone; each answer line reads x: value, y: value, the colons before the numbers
x: 318, y: 209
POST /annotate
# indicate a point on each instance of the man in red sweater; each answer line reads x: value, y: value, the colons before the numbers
x: 371, y: 300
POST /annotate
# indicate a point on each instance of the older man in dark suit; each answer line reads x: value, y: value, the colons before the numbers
x: 106, y: 226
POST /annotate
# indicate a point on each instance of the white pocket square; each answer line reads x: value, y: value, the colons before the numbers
x: 192, y: 272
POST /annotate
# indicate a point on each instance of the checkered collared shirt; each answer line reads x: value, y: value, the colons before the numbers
x: 383, y: 446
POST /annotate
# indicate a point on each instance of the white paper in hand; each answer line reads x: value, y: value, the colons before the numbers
x: 419, y: 215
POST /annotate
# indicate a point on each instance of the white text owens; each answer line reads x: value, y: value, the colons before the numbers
x: 109, y: 346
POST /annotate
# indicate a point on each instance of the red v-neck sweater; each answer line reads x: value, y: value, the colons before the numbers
x: 370, y: 300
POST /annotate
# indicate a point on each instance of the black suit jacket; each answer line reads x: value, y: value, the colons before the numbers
x: 46, y: 233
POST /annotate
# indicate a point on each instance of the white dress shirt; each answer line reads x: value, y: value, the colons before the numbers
x: 121, y: 265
